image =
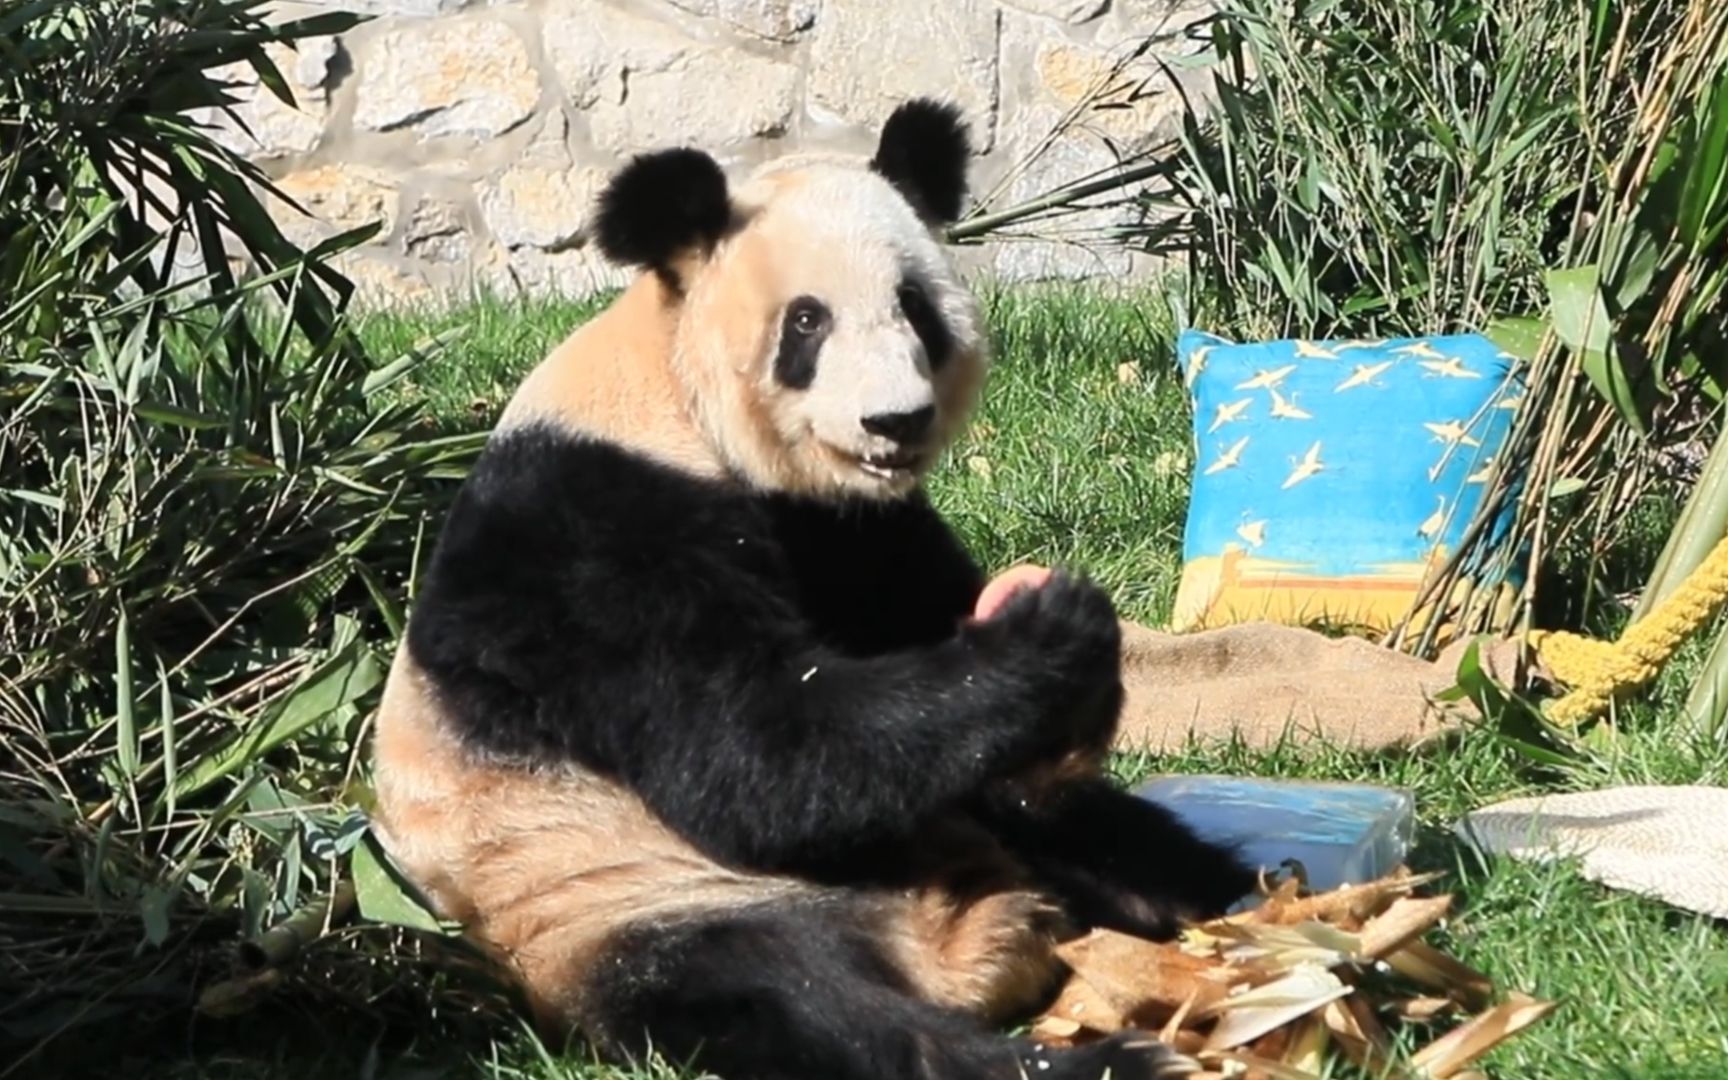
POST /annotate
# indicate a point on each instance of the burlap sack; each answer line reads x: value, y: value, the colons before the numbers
x: 1263, y: 682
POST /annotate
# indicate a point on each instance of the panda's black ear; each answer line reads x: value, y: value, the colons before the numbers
x: 661, y: 205
x: 923, y: 152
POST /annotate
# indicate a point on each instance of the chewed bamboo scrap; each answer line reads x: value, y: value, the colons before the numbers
x: 1448, y: 1055
x: 1277, y: 991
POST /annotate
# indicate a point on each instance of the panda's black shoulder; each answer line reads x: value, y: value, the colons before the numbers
x: 873, y: 576
x: 546, y: 511
x: 565, y: 564
x: 541, y: 485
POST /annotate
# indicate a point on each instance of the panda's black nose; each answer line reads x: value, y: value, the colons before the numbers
x: 902, y: 427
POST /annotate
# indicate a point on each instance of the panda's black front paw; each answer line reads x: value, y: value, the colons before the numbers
x: 1064, y: 641
x: 1067, y: 611
x: 1118, y: 860
x: 1130, y: 1055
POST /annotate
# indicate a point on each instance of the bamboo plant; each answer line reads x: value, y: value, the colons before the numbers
x: 1551, y: 172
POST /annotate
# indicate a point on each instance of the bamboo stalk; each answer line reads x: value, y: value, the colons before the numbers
x: 1703, y: 521
x: 975, y: 227
x: 284, y: 941
x: 1707, y: 705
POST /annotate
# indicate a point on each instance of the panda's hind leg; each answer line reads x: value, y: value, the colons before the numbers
x: 796, y: 991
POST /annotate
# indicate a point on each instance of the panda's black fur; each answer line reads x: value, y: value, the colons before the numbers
x: 923, y: 152
x: 660, y: 204
x: 795, y: 687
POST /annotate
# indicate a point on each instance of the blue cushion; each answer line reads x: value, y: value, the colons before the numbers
x: 1330, y: 476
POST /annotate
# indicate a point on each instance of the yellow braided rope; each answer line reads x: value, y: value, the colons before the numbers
x: 1598, y: 671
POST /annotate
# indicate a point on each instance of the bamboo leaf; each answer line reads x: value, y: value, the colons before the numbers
x: 1516, y: 722
x: 271, y: 78
x: 125, y: 722
x: 1639, y: 274
x: 337, y: 684
x: 329, y: 24
x: 1702, y: 524
x: 382, y: 894
x: 1707, y: 704
x: 403, y: 365
x: 395, y: 619
x: 177, y: 416
x: 1705, y: 195
x: 1581, y: 321
x: 1519, y: 335
x: 154, y: 907
x: 1580, y: 317
x: 170, y: 747
x: 325, y: 843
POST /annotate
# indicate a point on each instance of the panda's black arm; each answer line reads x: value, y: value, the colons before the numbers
x: 763, y: 748
x: 813, y: 754
x: 1117, y: 860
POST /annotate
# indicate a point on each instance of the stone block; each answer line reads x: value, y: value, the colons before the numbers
x: 712, y: 99
x: 1161, y: 16
x: 1126, y: 98
x: 540, y: 206
x: 380, y: 283
x: 774, y: 20
x: 436, y: 231
x: 262, y: 127
x: 867, y: 56
x: 413, y: 8
x: 645, y: 84
x: 338, y: 198
x: 462, y: 77
x: 577, y: 273
x: 550, y: 144
x: 593, y: 48
x: 1077, y: 245
x: 1069, y: 11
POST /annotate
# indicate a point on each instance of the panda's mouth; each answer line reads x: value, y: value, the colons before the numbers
x: 890, y: 465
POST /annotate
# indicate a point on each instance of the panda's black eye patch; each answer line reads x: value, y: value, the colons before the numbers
x: 926, y: 322
x: 807, y: 316
x: 802, y: 330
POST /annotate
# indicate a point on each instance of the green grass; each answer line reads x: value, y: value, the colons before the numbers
x: 497, y: 341
x: 1071, y: 462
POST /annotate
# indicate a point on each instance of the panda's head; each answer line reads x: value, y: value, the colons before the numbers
x: 825, y: 342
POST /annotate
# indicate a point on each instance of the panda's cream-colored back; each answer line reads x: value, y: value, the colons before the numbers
x: 540, y: 867
x: 613, y: 380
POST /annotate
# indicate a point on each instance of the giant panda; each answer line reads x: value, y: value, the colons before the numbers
x: 693, y: 727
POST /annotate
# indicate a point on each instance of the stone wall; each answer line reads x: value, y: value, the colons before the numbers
x: 478, y: 132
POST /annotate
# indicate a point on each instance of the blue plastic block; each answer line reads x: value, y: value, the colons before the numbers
x: 1342, y: 834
